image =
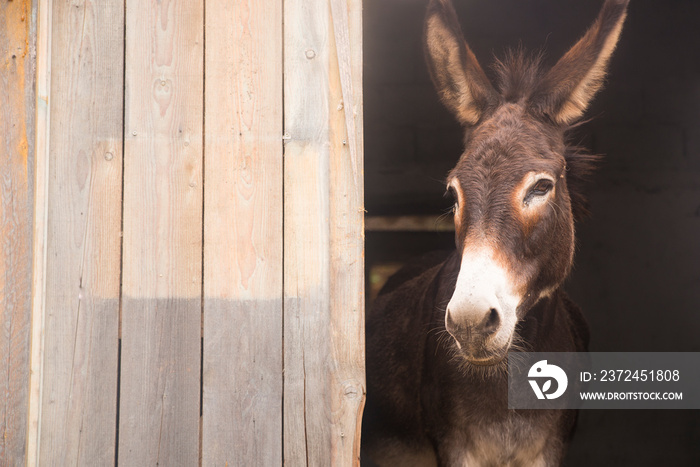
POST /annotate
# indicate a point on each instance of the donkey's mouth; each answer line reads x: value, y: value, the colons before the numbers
x: 486, y: 361
x: 483, y: 359
x: 481, y: 355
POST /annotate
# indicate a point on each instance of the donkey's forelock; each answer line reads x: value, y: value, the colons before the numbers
x: 518, y: 74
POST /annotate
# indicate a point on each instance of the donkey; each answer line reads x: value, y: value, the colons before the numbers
x: 439, y: 332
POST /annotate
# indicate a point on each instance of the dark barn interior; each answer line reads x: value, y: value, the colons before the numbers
x: 637, y: 265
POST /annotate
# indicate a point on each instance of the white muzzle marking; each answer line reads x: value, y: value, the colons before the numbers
x: 483, y: 284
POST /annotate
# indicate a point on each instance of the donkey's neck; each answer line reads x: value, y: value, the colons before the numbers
x: 542, y: 322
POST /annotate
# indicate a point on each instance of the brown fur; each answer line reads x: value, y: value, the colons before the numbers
x: 427, y: 401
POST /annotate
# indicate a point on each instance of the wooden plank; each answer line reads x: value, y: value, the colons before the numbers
x: 347, y: 319
x: 80, y: 347
x: 347, y: 234
x: 41, y: 203
x: 242, y: 361
x: 17, y: 62
x: 307, y: 405
x: 162, y: 249
x: 323, y: 240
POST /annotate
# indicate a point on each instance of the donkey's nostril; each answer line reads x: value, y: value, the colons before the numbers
x: 492, y: 321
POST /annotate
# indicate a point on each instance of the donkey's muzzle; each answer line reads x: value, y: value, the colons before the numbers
x: 481, y: 313
x: 464, y: 331
x: 478, y: 342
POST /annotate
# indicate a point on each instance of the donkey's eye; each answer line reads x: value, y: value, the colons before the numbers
x: 452, y: 195
x: 541, y: 188
x: 450, y: 192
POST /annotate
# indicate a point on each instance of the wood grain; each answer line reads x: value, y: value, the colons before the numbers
x: 162, y: 245
x: 43, y: 20
x: 347, y: 332
x: 17, y: 62
x: 323, y: 239
x: 307, y: 405
x: 78, y: 406
x: 242, y: 372
x: 163, y: 233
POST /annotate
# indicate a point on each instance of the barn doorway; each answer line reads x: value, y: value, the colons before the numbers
x: 638, y: 248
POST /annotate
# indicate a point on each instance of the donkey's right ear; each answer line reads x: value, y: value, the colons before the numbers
x: 567, y: 89
x: 461, y: 83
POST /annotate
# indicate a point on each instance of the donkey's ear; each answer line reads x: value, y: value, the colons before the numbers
x: 567, y: 89
x: 461, y: 83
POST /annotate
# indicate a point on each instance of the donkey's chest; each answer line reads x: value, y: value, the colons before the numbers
x: 511, y: 442
x: 479, y: 431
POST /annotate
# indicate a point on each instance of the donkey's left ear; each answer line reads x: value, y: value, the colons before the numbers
x: 567, y: 89
x: 459, y: 79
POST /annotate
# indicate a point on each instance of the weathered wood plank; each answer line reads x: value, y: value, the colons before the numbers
x: 323, y: 262
x: 17, y: 62
x: 41, y: 202
x: 242, y: 372
x: 78, y: 406
x: 347, y: 331
x: 307, y: 405
x: 306, y: 234
x: 162, y: 245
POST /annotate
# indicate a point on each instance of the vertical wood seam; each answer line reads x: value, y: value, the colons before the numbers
x: 204, y: 198
x: 283, y: 137
x: 121, y: 247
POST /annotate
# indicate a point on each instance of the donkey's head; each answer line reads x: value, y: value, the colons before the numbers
x: 514, y: 185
